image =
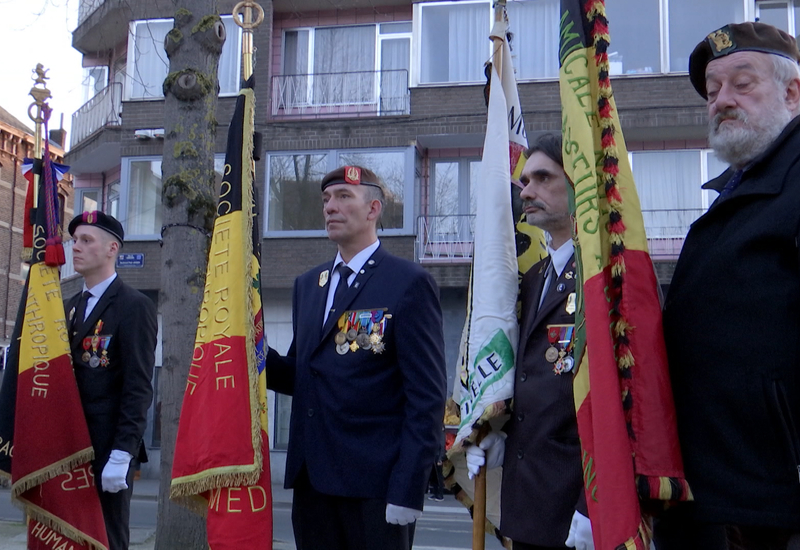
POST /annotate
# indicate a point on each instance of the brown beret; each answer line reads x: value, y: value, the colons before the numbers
x: 351, y: 175
x: 738, y: 37
x: 98, y: 219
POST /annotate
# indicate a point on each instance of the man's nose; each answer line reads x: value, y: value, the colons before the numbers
x: 528, y: 193
x: 725, y: 99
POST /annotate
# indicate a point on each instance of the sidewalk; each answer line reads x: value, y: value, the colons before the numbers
x: 13, y: 534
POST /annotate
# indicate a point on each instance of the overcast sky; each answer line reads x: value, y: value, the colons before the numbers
x: 40, y: 31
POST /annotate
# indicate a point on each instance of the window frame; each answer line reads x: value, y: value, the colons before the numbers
x: 131, y: 45
x: 409, y: 202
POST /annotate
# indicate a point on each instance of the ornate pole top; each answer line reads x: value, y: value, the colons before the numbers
x: 243, y: 16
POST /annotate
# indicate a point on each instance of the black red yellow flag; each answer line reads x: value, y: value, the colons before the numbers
x: 221, y: 463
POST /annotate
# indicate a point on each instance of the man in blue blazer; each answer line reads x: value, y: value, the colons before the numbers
x: 366, y: 370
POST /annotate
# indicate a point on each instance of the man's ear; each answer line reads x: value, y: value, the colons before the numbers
x: 375, y: 209
x: 792, y: 97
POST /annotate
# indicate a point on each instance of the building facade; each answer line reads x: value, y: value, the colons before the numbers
x: 397, y: 86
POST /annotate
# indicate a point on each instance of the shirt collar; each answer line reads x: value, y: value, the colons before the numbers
x: 561, y: 256
x: 97, y: 290
x: 358, y: 261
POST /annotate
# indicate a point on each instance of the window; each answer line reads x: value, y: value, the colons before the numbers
x: 784, y: 14
x: 691, y: 20
x: 294, y: 203
x: 141, y: 196
x: 455, y: 41
x: 635, y: 41
x: 148, y: 62
x: 88, y: 200
x: 337, y: 66
x: 669, y: 188
x: 453, y: 198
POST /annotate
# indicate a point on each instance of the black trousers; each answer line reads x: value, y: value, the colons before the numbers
x: 117, y: 512
x: 676, y: 529
x: 326, y: 522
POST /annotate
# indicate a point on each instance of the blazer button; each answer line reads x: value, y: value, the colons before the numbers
x: 561, y: 287
x: 310, y: 412
x: 520, y: 454
x: 523, y: 376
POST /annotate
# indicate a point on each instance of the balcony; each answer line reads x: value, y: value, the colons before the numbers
x: 449, y: 239
x: 102, y: 110
x: 350, y: 94
x: 87, y: 8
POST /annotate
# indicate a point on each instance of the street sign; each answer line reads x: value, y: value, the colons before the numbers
x: 130, y: 260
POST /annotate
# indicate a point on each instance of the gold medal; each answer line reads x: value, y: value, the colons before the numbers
x: 353, y: 347
x: 571, y: 303
x: 340, y: 338
x: 341, y: 349
x: 375, y: 339
x: 86, y: 356
x: 551, y: 355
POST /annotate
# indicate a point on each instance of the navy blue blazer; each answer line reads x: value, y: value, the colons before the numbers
x: 365, y: 424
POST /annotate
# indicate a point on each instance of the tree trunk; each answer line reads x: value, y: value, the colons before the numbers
x: 189, y: 199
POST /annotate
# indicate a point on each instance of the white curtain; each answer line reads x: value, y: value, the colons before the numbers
x: 150, y: 61
x: 668, y: 183
x: 144, y: 198
x: 455, y: 42
x: 344, y: 65
x: 395, y: 58
x: 229, y: 63
x: 534, y: 47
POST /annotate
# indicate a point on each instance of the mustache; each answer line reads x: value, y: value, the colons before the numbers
x: 728, y: 114
x: 536, y: 204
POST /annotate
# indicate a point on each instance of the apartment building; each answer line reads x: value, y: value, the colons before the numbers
x: 397, y: 86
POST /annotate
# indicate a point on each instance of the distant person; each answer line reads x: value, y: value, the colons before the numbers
x: 113, y: 330
x: 542, y: 503
x: 366, y: 370
x: 733, y: 308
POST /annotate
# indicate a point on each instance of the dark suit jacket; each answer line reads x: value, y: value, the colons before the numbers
x: 116, y: 397
x: 363, y: 424
x: 542, y: 478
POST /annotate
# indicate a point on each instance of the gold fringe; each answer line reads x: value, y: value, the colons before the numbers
x: 60, y: 526
x: 625, y: 361
x: 621, y: 327
x: 53, y: 470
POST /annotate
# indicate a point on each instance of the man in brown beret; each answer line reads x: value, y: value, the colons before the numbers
x: 732, y: 313
x: 367, y: 374
x: 113, y: 330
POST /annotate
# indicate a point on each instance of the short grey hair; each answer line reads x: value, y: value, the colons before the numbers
x: 786, y: 69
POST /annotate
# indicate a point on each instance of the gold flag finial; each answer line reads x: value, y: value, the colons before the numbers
x: 243, y: 16
x: 40, y: 95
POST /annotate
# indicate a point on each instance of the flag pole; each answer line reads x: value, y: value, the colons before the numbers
x: 40, y: 95
x: 479, y: 502
x: 247, y: 24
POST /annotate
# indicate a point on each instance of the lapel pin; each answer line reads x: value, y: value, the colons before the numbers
x: 323, y: 278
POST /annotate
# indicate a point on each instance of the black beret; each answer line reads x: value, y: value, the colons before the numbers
x: 351, y: 175
x: 101, y: 220
x: 738, y: 37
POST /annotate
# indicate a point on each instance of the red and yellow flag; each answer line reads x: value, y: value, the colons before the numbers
x: 43, y: 427
x: 626, y: 416
x: 221, y: 464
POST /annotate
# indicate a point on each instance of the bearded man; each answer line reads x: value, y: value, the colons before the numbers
x: 732, y: 313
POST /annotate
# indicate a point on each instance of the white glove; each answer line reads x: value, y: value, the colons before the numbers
x: 115, y: 472
x: 580, y: 533
x: 400, y: 515
x: 490, y: 451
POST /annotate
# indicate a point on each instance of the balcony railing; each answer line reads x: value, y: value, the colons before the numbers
x: 449, y: 239
x: 361, y: 93
x: 102, y: 110
x: 87, y: 8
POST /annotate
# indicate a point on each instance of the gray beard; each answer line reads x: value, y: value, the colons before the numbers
x: 738, y: 146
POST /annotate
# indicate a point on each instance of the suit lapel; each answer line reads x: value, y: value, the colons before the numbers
x: 82, y: 330
x: 536, y: 285
x: 364, y: 275
x: 553, y: 300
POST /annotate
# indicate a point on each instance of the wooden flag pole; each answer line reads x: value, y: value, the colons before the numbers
x: 479, y: 500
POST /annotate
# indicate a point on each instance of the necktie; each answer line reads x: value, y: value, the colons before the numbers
x: 732, y: 184
x: 341, y: 288
x: 549, y: 283
x: 80, y: 311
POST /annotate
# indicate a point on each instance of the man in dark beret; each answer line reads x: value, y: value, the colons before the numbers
x: 366, y: 370
x: 113, y: 331
x: 732, y: 312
